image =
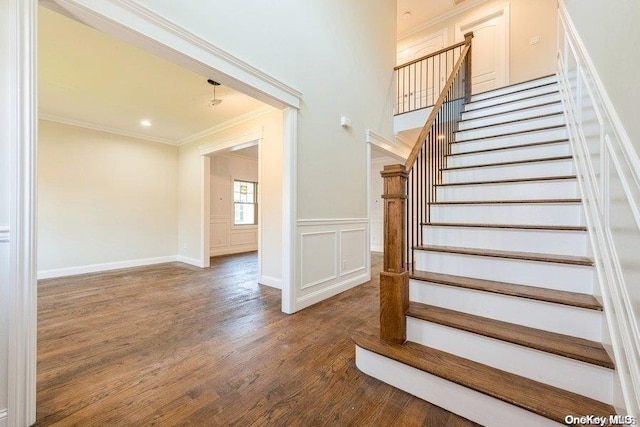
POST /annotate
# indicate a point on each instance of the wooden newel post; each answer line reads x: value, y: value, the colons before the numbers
x: 394, y: 279
x: 467, y: 69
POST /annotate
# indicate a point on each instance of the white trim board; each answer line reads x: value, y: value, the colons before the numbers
x: 94, y: 268
x: 272, y: 282
x: 397, y: 150
x: 5, y: 234
x: 616, y: 161
x: 232, y: 143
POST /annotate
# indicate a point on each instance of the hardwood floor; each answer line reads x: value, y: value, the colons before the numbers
x: 177, y: 345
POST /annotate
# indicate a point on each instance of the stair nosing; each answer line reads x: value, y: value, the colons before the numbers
x: 511, y: 93
x: 510, y: 102
x: 576, y: 228
x: 517, y: 255
x: 510, y: 163
x: 510, y: 122
x: 482, y: 326
x: 546, y: 104
x: 502, y: 135
x: 506, y: 202
x: 467, y: 373
x: 485, y: 150
x: 519, y: 83
x: 552, y: 296
x: 509, y: 181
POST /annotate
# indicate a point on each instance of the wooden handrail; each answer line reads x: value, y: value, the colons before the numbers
x: 432, y: 54
x: 436, y: 107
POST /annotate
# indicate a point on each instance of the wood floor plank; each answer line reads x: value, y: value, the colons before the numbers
x: 173, y: 344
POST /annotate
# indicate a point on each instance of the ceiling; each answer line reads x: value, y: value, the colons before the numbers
x: 426, y: 10
x: 90, y: 78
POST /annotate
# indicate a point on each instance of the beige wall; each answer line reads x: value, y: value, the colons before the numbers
x: 610, y: 32
x: 339, y: 54
x: 103, y: 198
x: 225, y: 237
x: 527, y: 19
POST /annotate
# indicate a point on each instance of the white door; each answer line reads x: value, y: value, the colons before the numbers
x: 417, y: 88
x: 490, y: 48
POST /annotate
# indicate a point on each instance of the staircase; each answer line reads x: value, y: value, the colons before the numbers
x: 502, y: 326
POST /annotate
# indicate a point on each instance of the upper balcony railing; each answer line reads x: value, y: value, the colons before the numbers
x: 420, y: 82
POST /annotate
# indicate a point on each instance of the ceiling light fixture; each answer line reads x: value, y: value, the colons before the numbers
x: 145, y: 123
x: 215, y: 101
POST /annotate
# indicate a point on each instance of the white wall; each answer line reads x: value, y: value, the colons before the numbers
x: 103, y: 199
x: 5, y: 155
x: 376, y: 212
x: 527, y: 19
x: 269, y: 125
x: 609, y: 174
x: 611, y: 34
x: 226, y: 238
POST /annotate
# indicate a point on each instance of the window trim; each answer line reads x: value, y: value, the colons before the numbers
x: 254, y: 203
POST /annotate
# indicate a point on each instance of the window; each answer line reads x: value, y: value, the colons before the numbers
x: 245, y: 203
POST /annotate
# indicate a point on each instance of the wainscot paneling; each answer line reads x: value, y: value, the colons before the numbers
x: 333, y: 256
x: 609, y: 175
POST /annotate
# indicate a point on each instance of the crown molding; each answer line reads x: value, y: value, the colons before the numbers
x: 458, y: 10
x: 238, y: 120
x: 102, y: 128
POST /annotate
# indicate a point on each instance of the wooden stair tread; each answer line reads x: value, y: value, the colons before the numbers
x: 546, y: 104
x: 509, y: 147
x: 511, y: 93
x: 549, y: 342
x: 513, y: 133
x: 520, y: 83
x: 498, y: 202
x: 541, y: 399
x: 510, y: 226
x: 509, y: 181
x: 573, y: 299
x: 527, y: 256
x: 513, y: 162
x: 541, y: 116
x: 551, y: 92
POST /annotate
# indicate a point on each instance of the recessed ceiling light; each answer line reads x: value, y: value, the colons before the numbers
x: 406, y: 16
x: 145, y: 123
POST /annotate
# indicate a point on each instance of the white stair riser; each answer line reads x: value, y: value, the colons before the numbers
x: 514, y: 88
x: 516, y: 213
x: 516, y: 105
x: 579, y: 377
x: 473, y: 405
x: 534, y: 190
x: 563, y: 277
x: 510, y: 155
x: 521, y: 126
x: 515, y: 115
x: 511, y: 140
x: 566, y: 320
x: 521, y: 170
x: 512, y: 97
x: 540, y: 241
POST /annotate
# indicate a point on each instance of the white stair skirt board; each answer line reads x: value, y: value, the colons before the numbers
x: 569, y: 214
x: 563, y: 277
x: 562, y: 167
x: 534, y: 190
x: 531, y: 84
x: 543, y: 90
x: 528, y: 113
x: 511, y: 106
x: 510, y: 155
x: 562, y: 319
x: 558, y: 242
x: 546, y: 135
x: 579, y: 377
x: 509, y: 127
x: 475, y: 406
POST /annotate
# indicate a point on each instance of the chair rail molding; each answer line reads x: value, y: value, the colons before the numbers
x: 608, y: 169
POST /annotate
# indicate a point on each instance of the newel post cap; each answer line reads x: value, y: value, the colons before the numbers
x: 390, y: 171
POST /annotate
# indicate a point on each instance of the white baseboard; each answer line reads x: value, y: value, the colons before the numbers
x: 232, y: 250
x: 273, y: 282
x: 94, y: 268
x: 315, y: 297
x: 376, y: 247
x: 190, y: 261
